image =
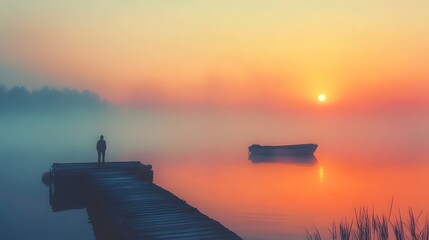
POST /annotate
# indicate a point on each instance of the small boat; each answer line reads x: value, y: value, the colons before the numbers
x: 298, y: 149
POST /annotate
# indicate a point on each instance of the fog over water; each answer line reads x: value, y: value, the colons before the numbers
x: 201, y: 156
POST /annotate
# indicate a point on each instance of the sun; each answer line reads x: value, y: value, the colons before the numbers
x: 321, y: 97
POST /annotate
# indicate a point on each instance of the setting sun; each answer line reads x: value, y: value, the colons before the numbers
x: 321, y: 97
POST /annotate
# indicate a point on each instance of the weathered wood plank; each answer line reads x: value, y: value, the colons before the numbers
x: 144, y: 209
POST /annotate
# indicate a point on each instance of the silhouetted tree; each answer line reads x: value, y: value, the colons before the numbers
x: 19, y: 99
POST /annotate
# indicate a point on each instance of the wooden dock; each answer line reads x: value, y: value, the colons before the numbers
x: 123, y: 203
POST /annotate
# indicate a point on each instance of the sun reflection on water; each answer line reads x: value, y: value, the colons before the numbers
x: 321, y: 174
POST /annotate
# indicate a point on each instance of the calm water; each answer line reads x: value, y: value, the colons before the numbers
x: 204, y: 160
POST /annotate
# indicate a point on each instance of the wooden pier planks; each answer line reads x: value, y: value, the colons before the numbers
x: 146, y: 210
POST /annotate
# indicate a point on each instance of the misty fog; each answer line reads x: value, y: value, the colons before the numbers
x: 49, y: 121
x: 44, y: 126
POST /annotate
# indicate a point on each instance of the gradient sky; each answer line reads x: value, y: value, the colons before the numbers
x: 362, y: 54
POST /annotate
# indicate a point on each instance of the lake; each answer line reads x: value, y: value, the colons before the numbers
x: 203, y: 158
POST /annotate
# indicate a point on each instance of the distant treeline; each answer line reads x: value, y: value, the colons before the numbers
x: 19, y: 99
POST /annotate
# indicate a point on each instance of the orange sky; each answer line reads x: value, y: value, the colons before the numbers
x: 362, y: 54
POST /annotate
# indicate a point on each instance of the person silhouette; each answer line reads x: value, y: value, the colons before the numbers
x: 101, y: 148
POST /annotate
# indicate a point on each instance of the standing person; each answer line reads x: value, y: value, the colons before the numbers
x: 101, y: 148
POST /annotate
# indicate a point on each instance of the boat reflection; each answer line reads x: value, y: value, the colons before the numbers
x: 307, y: 160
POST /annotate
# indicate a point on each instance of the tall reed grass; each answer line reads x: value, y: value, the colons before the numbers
x: 372, y: 226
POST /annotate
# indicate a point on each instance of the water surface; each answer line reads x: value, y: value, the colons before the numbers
x: 203, y: 159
